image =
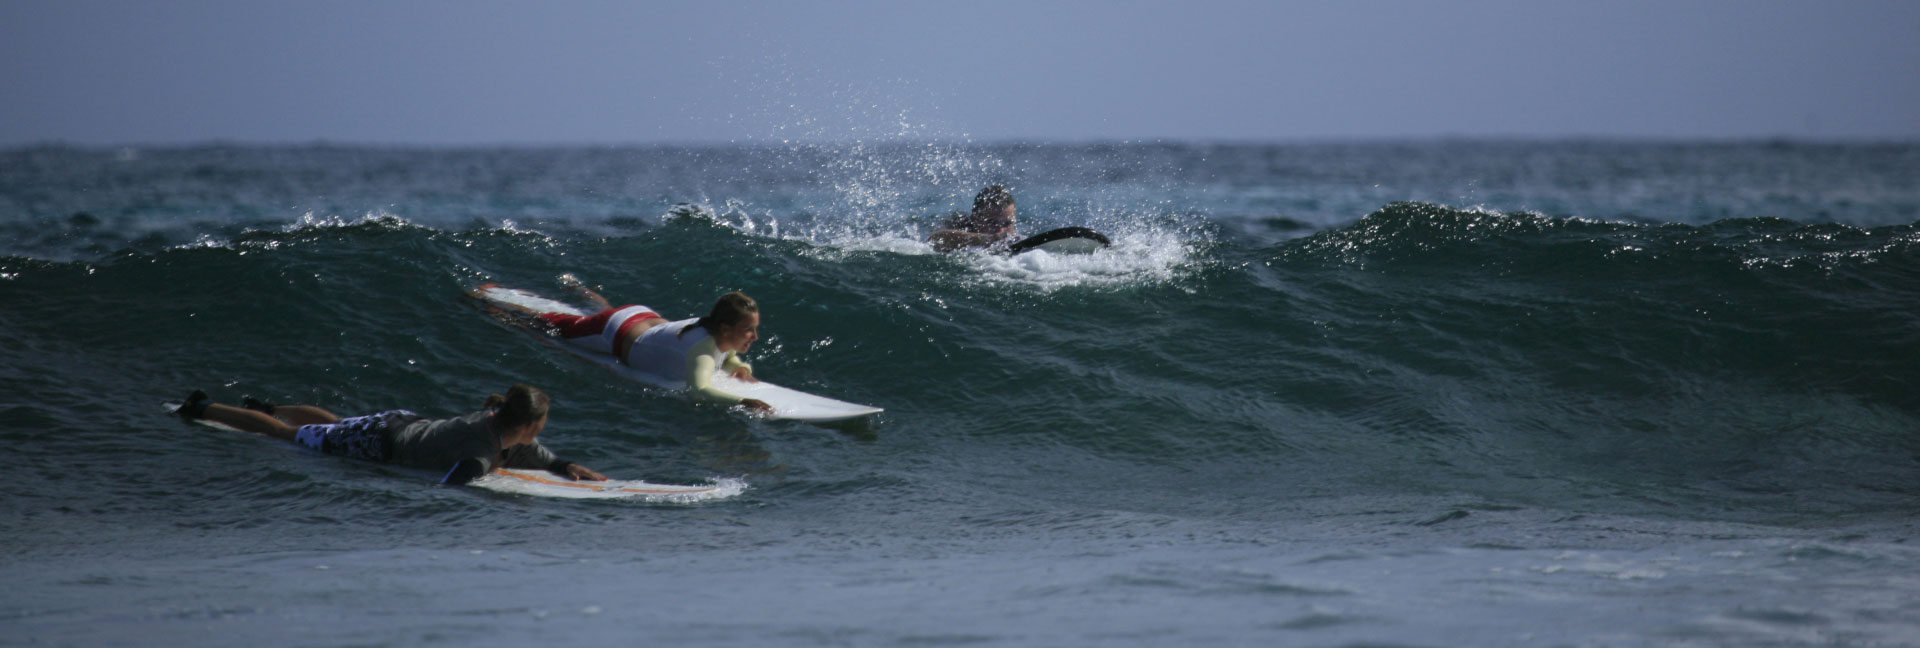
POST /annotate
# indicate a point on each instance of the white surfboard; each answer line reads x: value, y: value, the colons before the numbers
x: 540, y: 483
x: 791, y: 404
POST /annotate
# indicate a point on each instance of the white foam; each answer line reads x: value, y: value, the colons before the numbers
x: 1145, y: 257
x: 310, y: 221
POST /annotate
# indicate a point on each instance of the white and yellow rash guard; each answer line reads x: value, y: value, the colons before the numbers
x: 692, y: 357
x: 700, y: 366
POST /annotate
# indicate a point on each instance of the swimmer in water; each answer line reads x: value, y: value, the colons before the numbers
x: 502, y: 434
x: 688, y: 350
x: 990, y: 223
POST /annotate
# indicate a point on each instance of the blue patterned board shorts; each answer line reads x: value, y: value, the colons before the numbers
x: 367, y: 437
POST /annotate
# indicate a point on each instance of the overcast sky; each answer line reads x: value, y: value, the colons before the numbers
x: 484, y: 72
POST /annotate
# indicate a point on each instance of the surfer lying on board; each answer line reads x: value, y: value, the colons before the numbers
x: 689, y: 349
x: 991, y: 223
x: 500, y: 435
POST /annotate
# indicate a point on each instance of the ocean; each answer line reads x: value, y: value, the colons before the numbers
x: 1428, y: 393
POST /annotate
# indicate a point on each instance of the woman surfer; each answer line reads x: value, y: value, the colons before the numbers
x: 688, y: 349
x: 501, y: 435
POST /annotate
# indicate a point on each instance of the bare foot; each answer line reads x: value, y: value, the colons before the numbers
x: 574, y: 283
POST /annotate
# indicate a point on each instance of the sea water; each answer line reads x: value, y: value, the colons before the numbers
x: 1340, y: 394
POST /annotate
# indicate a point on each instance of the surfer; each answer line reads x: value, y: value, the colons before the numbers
x: 689, y: 349
x: 990, y: 223
x: 501, y: 435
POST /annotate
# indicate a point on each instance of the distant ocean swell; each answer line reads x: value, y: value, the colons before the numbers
x: 1756, y: 356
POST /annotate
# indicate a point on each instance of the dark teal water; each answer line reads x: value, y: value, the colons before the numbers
x: 1424, y: 394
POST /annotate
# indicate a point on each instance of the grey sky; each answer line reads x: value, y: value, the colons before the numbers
x: 461, y: 72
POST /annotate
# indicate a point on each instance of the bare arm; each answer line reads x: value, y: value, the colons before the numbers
x: 577, y: 471
x: 948, y: 240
